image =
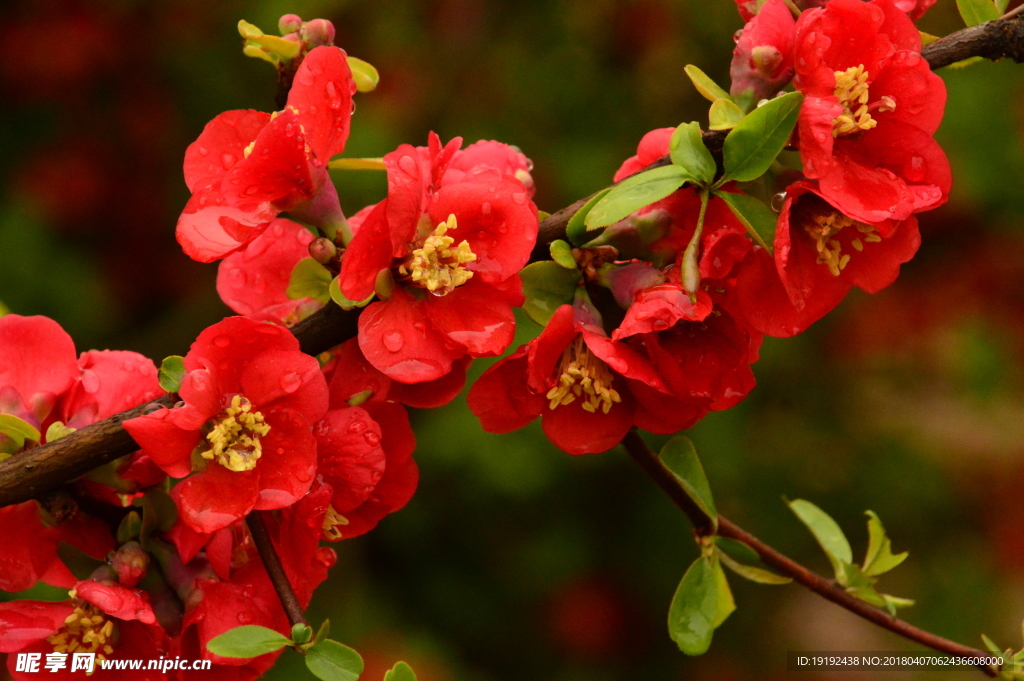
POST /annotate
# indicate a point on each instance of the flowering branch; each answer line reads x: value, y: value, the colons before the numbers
x: 648, y: 460
x: 272, y: 563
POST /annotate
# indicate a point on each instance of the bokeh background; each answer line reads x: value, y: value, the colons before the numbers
x: 514, y: 561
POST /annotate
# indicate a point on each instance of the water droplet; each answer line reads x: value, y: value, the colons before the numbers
x: 485, y: 208
x: 90, y: 381
x: 203, y: 151
x: 289, y: 130
x: 333, y: 99
x: 249, y: 591
x: 778, y: 200
x: 372, y: 438
x: 356, y: 427
x: 394, y: 340
x: 222, y: 341
x: 244, y: 618
x: 290, y: 382
x: 228, y: 160
x: 277, y: 229
x: 408, y: 164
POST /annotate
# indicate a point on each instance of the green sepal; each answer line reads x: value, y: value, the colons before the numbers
x: 724, y: 115
x: 301, y: 633
x: 708, y: 88
x: 310, y: 279
x: 680, y: 457
x: 364, y: 74
x: 339, y: 298
x: 171, y: 373
x: 758, y: 219
x: 250, y: 640
x: 828, y: 533
x: 400, y: 672
x: 561, y: 252
x: 332, y: 661
x: 129, y: 528
x: 547, y: 286
x: 688, y: 152
x: 57, y: 430
x: 755, y: 142
x: 576, y: 229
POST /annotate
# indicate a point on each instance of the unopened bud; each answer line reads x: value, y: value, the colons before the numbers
x: 318, y: 32
x: 289, y: 23
x: 323, y: 250
x: 131, y: 563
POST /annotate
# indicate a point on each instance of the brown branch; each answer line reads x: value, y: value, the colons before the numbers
x: 827, y: 588
x: 43, y: 469
x: 271, y: 561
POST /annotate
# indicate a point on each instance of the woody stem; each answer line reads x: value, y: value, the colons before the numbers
x: 272, y: 563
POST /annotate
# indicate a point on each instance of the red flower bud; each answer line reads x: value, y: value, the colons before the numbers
x: 289, y: 23
x: 130, y: 563
x: 318, y: 32
x: 763, y: 59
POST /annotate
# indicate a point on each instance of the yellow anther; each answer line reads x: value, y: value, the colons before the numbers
x: 248, y: 149
x: 438, y: 267
x: 824, y: 229
x: 86, y: 630
x: 331, y: 522
x: 852, y: 93
x: 583, y: 375
x: 235, y: 437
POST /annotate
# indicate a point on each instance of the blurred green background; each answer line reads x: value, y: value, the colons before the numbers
x: 514, y: 561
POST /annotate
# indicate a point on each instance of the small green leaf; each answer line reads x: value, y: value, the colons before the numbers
x: 726, y: 604
x: 680, y: 457
x: 339, y: 298
x: 724, y: 115
x: 129, y: 528
x: 364, y: 74
x: 894, y: 602
x: 356, y: 164
x: 400, y: 672
x: 991, y: 645
x: 276, y: 45
x: 695, y: 608
x: 977, y: 12
x: 879, y: 557
x: 755, y: 142
x: 547, y: 286
x: 828, y: 533
x: 332, y: 661
x: 736, y: 550
x: 576, y: 229
x: 80, y: 563
x: 854, y: 578
x: 561, y: 252
x: 1001, y: 6
x: 57, y: 430
x: 964, y: 63
x: 758, y: 219
x: 705, y: 86
x: 172, y: 371
x: 323, y: 631
x: 868, y: 595
x: 301, y: 633
x: 250, y: 640
x: 310, y: 279
x: 754, y: 574
x: 688, y: 151
x: 636, y: 192
x: 18, y: 430
x: 927, y: 38
x: 247, y: 30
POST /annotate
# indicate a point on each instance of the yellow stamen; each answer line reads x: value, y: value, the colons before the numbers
x: 86, y: 630
x: 583, y: 375
x: 852, y: 93
x: 824, y: 228
x: 235, y: 437
x: 331, y: 522
x: 438, y: 267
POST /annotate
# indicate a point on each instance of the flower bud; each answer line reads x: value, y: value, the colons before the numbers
x: 131, y: 563
x: 289, y: 23
x: 319, y: 32
x: 322, y: 250
x: 763, y: 59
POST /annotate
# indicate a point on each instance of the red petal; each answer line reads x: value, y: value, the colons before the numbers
x: 167, y: 445
x: 622, y: 358
x: 227, y: 347
x: 879, y: 264
x: 350, y: 455
x: 920, y: 95
x: 288, y: 463
x: 278, y: 169
x: 124, y: 604
x: 576, y: 431
x: 392, y: 493
x: 216, y: 497
x: 187, y: 541
x: 210, y: 228
x: 488, y: 155
x: 367, y: 254
x: 219, y: 551
x: 36, y: 356
x: 659, y: 413
x: 432, y: 394
x: 26, y: 551
x: 111, y: 382
x: 653, y: 146
x: 322, y: 94
x: 281, y: 379
x: 356, y: 375
x: 545, y: 351
x: 501, y: 398
x: 221, y: 145
x: 407, y: 180
x: 661, y: 307
x: 474, y: 317
x: 23, y: 623
x: 398, y: 440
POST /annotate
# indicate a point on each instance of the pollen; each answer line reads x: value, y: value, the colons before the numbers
x: 852, y: 93
x: 438, y: 266
x: 235, y: 436
x: 583, y: 375
x: 86, y: 630
x: 824, y: 229
x: 331, y: 522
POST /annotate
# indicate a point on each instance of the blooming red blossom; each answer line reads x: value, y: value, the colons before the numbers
x: 444, y: 253
x: 249, y: 398
x: 247, y: 166
x: 37, y: 366
x: 762, y: 62
x: 871, y: 107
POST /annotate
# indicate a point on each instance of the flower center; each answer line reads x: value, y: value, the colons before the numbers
x: 583, y: 375
x: 235, y: 437
x: 331, y: 522
x: 86, y: 630
x: 852, y: 93
x: 824, y: 228
x: 438, y: 267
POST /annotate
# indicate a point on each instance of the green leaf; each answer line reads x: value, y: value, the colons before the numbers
x: 991, y: 645
x: 576, y: 230
x: 636, y: 192
x: 724, y: 115
x: 680, y: 457
x: 310, y: 279
x: 977, y: 12
x: 927, y: 38
x: 561, y: 252
x: 400, y: 672
x: 129, y: 528
x: 250, y: 640
x: 276, y: 45
x: 705, y: 86
x: 301, y: 633
x: 57, y: 430
x: 323, y: 631
x: 80, y: 563
x: 247, y: 30
x: 736, y: 550
x: 688, y: 151
x: 828, y: 533
x: 879, y: 558
x: 364, y: 74
x: 725, y: 604
x: 894, y: 602
x: 695, y: 608
x: 868, y: 595
x: 18, y: 430
x: 1001, y: 6
x: 339, y: 298
x: 332, y: 661
x: 963, y: 63
x: 172, y: 371
x: 754, y: 574
x: 753, y: 144
x: 755, y: 215
x: 547, y: 286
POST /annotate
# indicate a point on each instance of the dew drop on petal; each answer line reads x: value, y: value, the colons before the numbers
x: 228, y: 160
x: 244, y: 618
x: 291, y: 382
x: 222, y: 341
x: 90, y: 381
x: 394, y: 340
x: 408, y: 164
x: 372, y: 438
x: 203, y: 151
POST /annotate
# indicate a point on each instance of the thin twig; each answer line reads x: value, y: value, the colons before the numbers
x: 272, y: 562
x: 663, y: 477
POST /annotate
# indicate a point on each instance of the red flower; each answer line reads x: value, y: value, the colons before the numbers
x: 248, y: 166
x: 249, y: 396
x: 449, y: 252
x: 819, y: 255
x: 653, y: 146
x: 254, y: 282
x: 763, y: 59
x: 872, y: 105
x: 915, y: 9
x: 37, y: 365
